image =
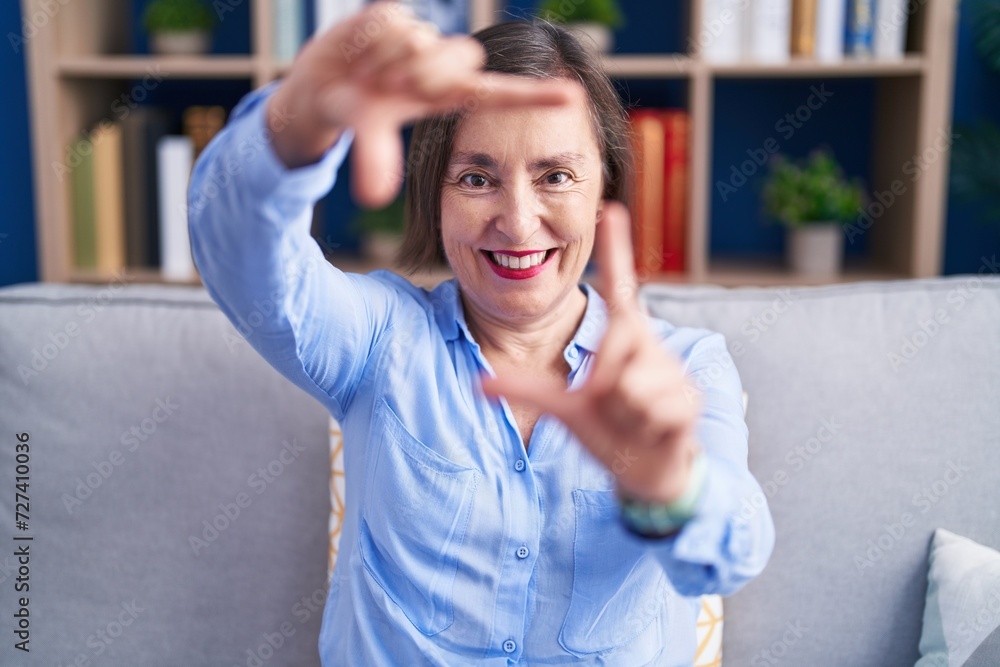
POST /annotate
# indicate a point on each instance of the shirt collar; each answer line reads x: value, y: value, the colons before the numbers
x: 451, y: 317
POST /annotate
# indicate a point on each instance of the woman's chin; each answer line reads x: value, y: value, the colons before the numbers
x: 525, y: 301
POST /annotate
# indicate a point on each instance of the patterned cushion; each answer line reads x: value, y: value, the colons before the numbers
x: 336, y: 492
x: 709, y: 627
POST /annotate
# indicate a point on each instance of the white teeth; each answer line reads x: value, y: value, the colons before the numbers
x: 525, y: 262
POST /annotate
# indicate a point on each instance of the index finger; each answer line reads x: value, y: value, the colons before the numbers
x: 501, y: 91
x: 616, y: 267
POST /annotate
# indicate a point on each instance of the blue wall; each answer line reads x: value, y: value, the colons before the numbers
x: 746, y: 116
x: 969, y: 235
x: 17, y: 230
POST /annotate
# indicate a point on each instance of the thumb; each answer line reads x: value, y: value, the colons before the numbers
x: 377, y: 164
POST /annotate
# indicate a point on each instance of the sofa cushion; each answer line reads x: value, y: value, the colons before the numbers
x: 177, y: 484
x: 962, y: 612
x: 873, y: 420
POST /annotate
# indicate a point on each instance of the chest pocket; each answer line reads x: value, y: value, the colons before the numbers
x: 619, y: 589
x: 416, y: 510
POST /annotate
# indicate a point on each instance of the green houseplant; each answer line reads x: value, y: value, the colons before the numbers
x: 178, y: 27
x: 381, y: 231
x: 591, y: 20
x: 813, y: 199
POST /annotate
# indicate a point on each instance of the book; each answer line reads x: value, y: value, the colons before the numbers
x: 109, y: 198
x: 719, y: 39
x: 660, y: 201
x: 676, y: 178
x: 803, y: 36
x: 649, y: 151
x: 141, y: 130
x: 889, y: 31
x: 202, y: 124
x: 859, y: 27
x: 830, y: 29
x: 288, y: 28
x: 174, y: 157
x: 81, y: 185
x: 329, y: 12
x: 766, y: 31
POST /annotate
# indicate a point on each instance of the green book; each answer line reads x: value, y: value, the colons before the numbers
x: 81, y: 151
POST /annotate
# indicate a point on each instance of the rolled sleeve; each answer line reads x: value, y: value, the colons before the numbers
x: 249, y: 219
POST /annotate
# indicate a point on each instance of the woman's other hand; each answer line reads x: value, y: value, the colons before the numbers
x: 376, y: 71
x: 636, y: 412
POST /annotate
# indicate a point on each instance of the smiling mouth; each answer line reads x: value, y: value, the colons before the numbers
x: 518, y: 263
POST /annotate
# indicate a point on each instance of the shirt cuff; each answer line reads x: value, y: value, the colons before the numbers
x: 717, y: 529
x: 657, y: 521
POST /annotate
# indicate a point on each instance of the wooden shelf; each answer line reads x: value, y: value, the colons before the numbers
x: 346, y: 263
x: 665, y: 66
x: 770, y: 272
x: 72, y: 83
x: 910, y: 65
x: 131, y: 276
x: 126, y: 67
x: 677, y: 65
x: 355, y: 264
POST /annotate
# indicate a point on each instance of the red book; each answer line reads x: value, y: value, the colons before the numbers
x: 649, y: 150
x: 675, y: 189
x: 660, y: 201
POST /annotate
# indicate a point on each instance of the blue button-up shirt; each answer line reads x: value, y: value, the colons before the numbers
x: 460, y: 545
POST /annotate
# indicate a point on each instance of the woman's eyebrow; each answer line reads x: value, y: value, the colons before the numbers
x: 557, y: 160
x: 470, y: 159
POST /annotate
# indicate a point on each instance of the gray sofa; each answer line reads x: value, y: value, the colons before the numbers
x: 179, y: 486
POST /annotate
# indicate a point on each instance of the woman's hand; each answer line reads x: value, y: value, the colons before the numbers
x: 376, y: 71
x: 636, y: 412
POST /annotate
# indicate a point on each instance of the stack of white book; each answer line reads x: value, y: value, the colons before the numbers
x: 772, y: 31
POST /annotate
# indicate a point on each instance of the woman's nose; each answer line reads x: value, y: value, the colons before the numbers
x: 520, y: 215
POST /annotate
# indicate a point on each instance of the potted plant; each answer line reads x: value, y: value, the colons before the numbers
x: 381, y: 231
x: 179, y: 27
x: 591, y: 20
x: 813, y: 200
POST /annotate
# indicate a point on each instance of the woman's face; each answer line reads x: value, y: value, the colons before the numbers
x: 519, y: 205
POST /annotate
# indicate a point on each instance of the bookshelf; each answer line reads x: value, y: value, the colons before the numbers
x: 78, y: 64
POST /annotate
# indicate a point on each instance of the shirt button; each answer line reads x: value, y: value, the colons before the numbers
x: 509, y: 646
x: 519, y: 465
x: 522, y: 552
x: 573, y: 352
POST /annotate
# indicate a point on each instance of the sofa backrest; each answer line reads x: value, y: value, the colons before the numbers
x: 178, y: 485
x: 874, y: 418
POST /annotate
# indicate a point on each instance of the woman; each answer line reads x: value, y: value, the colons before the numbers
x: 534, y: 473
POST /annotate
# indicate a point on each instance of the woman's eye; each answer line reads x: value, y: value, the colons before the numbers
x: 475, y: 180
x: 557, y: 178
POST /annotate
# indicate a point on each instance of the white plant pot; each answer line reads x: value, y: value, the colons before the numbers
x: 594, y: 36
x: 381, y: 247
x: 816, y: 249
x: 189, y: 43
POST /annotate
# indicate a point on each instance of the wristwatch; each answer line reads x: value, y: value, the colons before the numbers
x: 659, y: 520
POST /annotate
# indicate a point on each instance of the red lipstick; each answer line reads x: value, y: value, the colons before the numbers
x: 518, y: 274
